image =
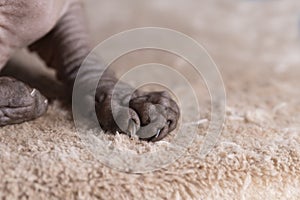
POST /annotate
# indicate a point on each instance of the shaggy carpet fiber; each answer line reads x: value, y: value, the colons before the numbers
x: 256, y: 45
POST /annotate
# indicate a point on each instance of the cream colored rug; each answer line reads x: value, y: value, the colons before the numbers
x: 256, y: 45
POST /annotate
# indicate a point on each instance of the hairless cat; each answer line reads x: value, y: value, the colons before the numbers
x: 55, y: 30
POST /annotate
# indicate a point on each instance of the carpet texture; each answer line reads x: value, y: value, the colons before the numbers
x: 256, y: 45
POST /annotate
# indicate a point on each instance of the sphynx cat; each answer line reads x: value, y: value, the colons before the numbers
x: 55, y: 30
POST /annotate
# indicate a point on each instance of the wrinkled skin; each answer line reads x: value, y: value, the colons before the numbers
x: 151, y: 115
x: 19, y: 103
x: 55, y: 30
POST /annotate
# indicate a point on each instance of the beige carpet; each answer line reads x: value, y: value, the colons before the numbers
x: 256, y: 45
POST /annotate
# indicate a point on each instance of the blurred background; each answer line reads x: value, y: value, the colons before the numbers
x: 252, y: 33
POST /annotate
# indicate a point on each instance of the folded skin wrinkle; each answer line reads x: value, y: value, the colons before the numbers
x: 19, y: 102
